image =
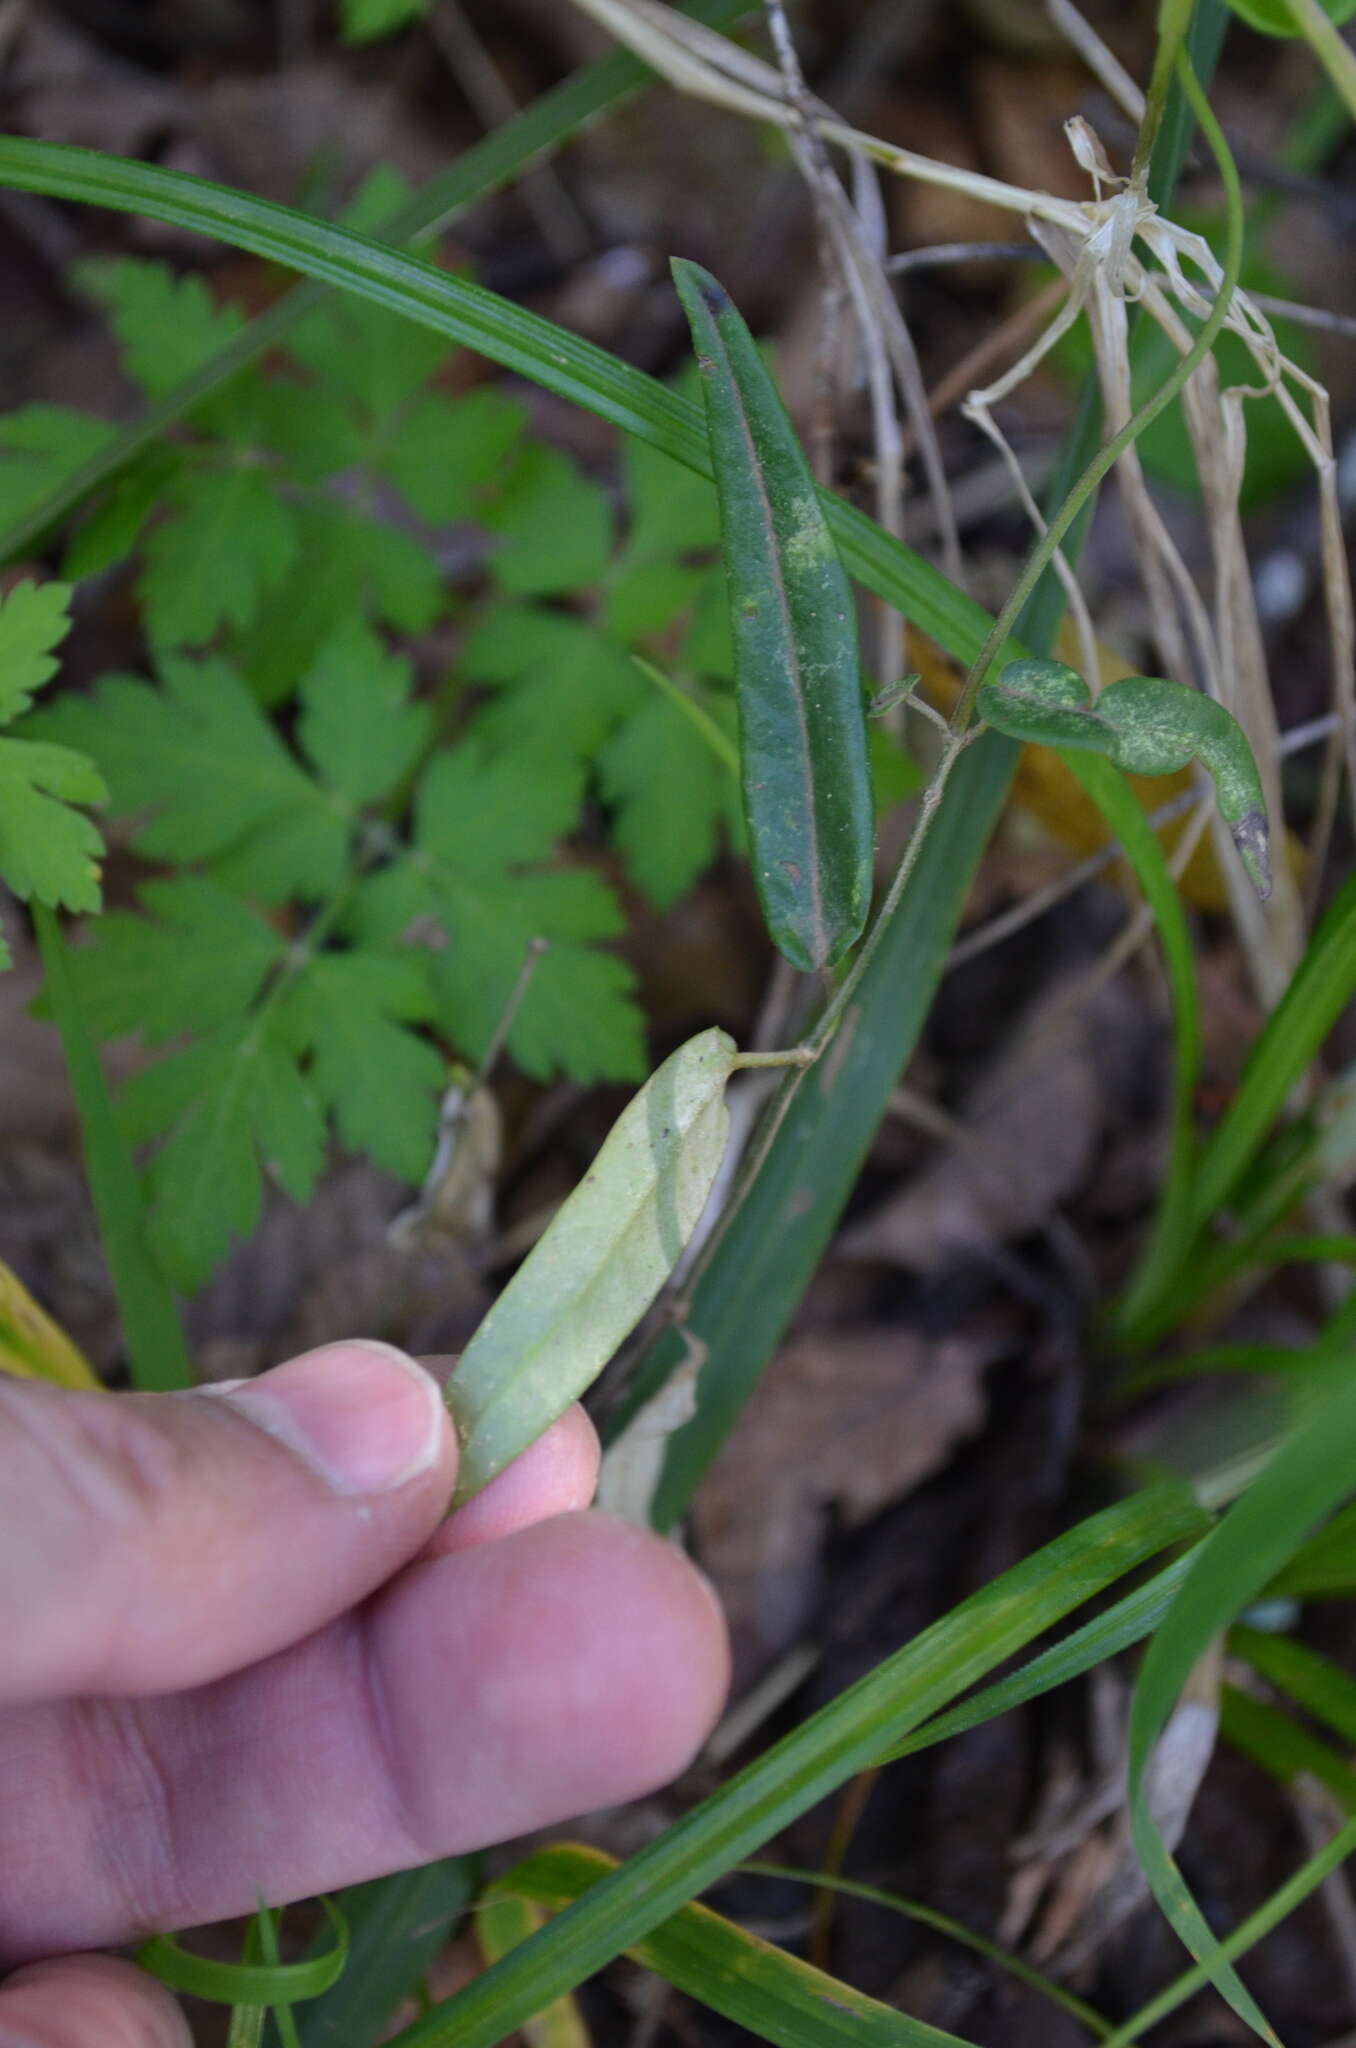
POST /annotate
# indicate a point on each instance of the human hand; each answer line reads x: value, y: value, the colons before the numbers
x: 244, y: 1653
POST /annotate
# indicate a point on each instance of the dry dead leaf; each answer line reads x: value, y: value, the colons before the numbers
x: 848, y: 1420
x: 1025, y: 1143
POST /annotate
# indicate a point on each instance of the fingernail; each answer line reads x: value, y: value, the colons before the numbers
x: 361, y: 1414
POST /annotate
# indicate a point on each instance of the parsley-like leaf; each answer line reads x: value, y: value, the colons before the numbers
x: 350, y: 1012
x: 206, y: 567
x: 671, y: 795
x: 358, y: 724
x: 445, y: 451
x: 168, y: 326
x: 194, y: 963
x: 559, y: 678
x: 233, y: 1104
x: 554, y: 525
x: 200, y: 757
x: 40, y: 446
x: 47, y: 849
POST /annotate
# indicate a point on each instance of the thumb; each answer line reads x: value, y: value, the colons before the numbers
x: 154, y: 1541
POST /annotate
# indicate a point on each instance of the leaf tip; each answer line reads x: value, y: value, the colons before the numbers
x: 712, y: 293
x: 1250, y: 837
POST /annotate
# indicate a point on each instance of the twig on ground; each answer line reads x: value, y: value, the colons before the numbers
x: 559, y: 221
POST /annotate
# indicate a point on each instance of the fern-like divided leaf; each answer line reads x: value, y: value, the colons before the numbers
x: 319, y: 925
x: 47, y: 849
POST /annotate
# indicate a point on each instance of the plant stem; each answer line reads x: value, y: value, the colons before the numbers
x: 1333, y: 52
x: 1174, y: 19
x: 1106, y: 457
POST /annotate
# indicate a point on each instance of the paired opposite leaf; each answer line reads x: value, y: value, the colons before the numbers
x: 807, y: 790
x: 1145, y: 725
x: 595, y: 1272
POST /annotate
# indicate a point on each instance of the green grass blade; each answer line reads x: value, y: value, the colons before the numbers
x: 744, y: 1296
x: 1295, y: 1031
x: 396, y: 1926
x: 1325, y: 1567
x: 1128, y: 1620
x: 1112, y: 794
x: 1280, y: 1747
x: 478, y: 319
x: 257, y: 1983
x: 776, y: 1996
x: 1310, y: 1680
x: 798, y: 685
x: 745, y: 1290
x: 157, y: 1356
x: 1321, y: 989
x: 505, y: 1917
x: 246, y: 2029
x: 841, y: 1739
x: 1305, y: 1480
x: 537, y: 132
x: 1255, y: 1928
x: 955, y: 1930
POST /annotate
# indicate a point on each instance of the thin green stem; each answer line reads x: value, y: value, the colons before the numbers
x: 1106, y: 457
x: 1332, y: 50
x: 1174, y: 19
x: 719, y: 743
x: 955, y: 1930
x: 1252, y: 1930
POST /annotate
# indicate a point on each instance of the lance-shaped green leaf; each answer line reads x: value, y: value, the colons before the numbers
x: 590, y: 1278
x: 802, y: 723
x: 774, y: 1996
x: 1147, y: 726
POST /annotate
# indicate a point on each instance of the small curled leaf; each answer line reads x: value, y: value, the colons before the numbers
x: 1145, y: 725
x: 248, y: 1983
x: 599, y: 1264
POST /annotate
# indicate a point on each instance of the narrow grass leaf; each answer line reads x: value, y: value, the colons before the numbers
x: 1106, y: 786
x: 246, y: 1983
x: 246, y: 2029
x: 775, y: 1996
x: 32, y: 1346
x: 476, y: 318
x: 1322, y: 986
x: 841, y: 1739
x: 489, y: 164
x: 1306, y: 1479
x: 506, y: 1916
x: 943, y: 1923
x: 1310, y: 1680
x: 802, y: 719
x: 1129, y: 1620
x: 157, y: 1357
x: 1255, y: 1928
x: 1282, y: 1748
x: 1324, y: 1568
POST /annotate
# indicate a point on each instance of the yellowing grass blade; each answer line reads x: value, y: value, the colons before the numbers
x: 32, y: 1345
x: 502, y: 1921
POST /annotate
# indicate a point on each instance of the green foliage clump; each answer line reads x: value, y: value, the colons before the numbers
x: 349, y: 858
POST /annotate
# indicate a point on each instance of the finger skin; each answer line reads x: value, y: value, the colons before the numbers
x: 555, y: 1474
x: 155, y: 1541
x: 575, y: 1664
x: 81, y: 2001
